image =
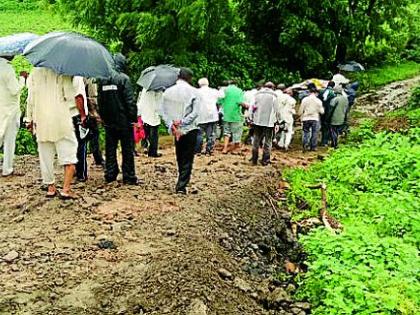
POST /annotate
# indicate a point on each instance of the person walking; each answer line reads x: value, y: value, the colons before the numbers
x: 10, y: 89
x: 118, y: 112
x: 326, y: 95
x: 232, y: 104
x: 50, y: 119
x: 337, y: 116
x: 208, y: 115
x: 148, y: 107
x: 309, y: 112
x: 287, y: 110
x: 265, y: 113
x: 180, y: 110
x: 79, y: 117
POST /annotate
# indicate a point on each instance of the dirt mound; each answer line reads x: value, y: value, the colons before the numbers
x: 386, y: 99
x: 144, y: 250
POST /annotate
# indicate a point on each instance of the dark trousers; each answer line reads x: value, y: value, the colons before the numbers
x: 152, y: 137
x: 184, y: 149
x: 81, y: 166
x: 262, y: 133
x: 310, y: 134
x: 94, y: 142
x: 112, y: 138
x: 209, y: 130
x: 325, y: 133
x: 335, y: 131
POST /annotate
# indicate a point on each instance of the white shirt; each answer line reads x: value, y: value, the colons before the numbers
x: 266, y: 110
x: 208, y: 104
x: 10, y: 89
x: 148, y: 107
x: 71, y: 89
x: 311, y: 108
x: 181, y: 102
x: 48, y: 105
x: 288, y: 109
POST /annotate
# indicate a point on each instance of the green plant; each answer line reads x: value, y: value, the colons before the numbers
x: 373, y: 188
x: 25, y: 143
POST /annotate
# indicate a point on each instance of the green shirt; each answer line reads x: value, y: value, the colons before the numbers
x: 231, y: 104
x: 339, y: 106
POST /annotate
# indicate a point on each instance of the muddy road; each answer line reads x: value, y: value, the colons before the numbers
x: 145, y: 250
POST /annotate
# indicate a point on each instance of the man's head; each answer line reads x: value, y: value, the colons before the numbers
x: 186, y: 74
x: 331, y: 84
x: 203, y: 82
x: 281, y: 87
x: 270, y: 85
x: 120, y: 62
x: 312, y: 87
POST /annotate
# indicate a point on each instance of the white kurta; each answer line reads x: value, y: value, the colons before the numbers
x: 10, y: 89
x: 208, y: 104
x: 149, y: 106
x: 48, y: 105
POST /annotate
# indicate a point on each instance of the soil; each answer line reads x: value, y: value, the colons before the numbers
x: 143, y: 249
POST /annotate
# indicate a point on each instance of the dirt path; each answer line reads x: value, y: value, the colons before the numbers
x: 211, y: 252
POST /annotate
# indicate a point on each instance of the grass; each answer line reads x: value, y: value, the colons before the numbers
x: 27, y: 16
x: 371, y: 267
x: 375, y: 78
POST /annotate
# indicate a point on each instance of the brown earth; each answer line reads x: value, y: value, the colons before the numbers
x: 169, y: 249
x: 145, y: 250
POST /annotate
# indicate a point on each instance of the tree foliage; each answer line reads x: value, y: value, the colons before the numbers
x: 250, y: 40
x: 311, y: 34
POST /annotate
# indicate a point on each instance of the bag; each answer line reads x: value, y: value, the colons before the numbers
x: 139, y: 132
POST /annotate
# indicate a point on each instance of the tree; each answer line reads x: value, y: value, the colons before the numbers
x: 312, y: 34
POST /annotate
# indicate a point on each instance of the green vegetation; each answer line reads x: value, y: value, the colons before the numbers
x: 26, y: 16
x: 371, y: 267
x: 278, y: 40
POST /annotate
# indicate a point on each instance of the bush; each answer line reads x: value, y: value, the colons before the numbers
x: 372, y: 266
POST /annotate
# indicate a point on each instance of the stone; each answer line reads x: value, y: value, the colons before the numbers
x: 303, y: 305
x: 11, y: 256
x: 225, y: 274
x: 291, y: 288
x: 296, y: 311
x: 242, y: 285
x: 59, y: 282
x: 197, y: 307
x: 171, y: 232
x: 276, y: 297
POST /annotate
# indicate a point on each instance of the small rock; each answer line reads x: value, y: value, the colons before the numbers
x: 15, y: 268
x: 11, y: 256
x: 303, y: 305
x: 254, y: 295
x: 224, y: 236
x: 254, y: 246
x: 224, y: 274
x: 279, y: 295
x: 18, y: 219
x: 106, y: 244
x: 296, y: 311
x: 291, y: 288
x: 197, y: 307
x: 59, y: 282
x: 171, y: 232
x: 242, y: 285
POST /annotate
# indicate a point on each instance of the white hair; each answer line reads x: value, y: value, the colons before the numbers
x: 203, y: 81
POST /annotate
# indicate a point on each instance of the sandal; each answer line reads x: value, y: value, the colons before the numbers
x: 67, y: 196
x: 52, y: 194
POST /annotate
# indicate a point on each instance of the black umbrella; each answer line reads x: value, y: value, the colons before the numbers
x: 71, y: 54
x: 351, y: 66
x: 158, y: 78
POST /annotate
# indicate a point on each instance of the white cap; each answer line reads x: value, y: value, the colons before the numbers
x: 203, y: 81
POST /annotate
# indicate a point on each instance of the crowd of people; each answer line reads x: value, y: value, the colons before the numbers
x: 64, y: 113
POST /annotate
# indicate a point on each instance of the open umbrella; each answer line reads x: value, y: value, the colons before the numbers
x: 158, y: 78
x: 351, y: 66
x: 71, y: 54
x: 13, y: 45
